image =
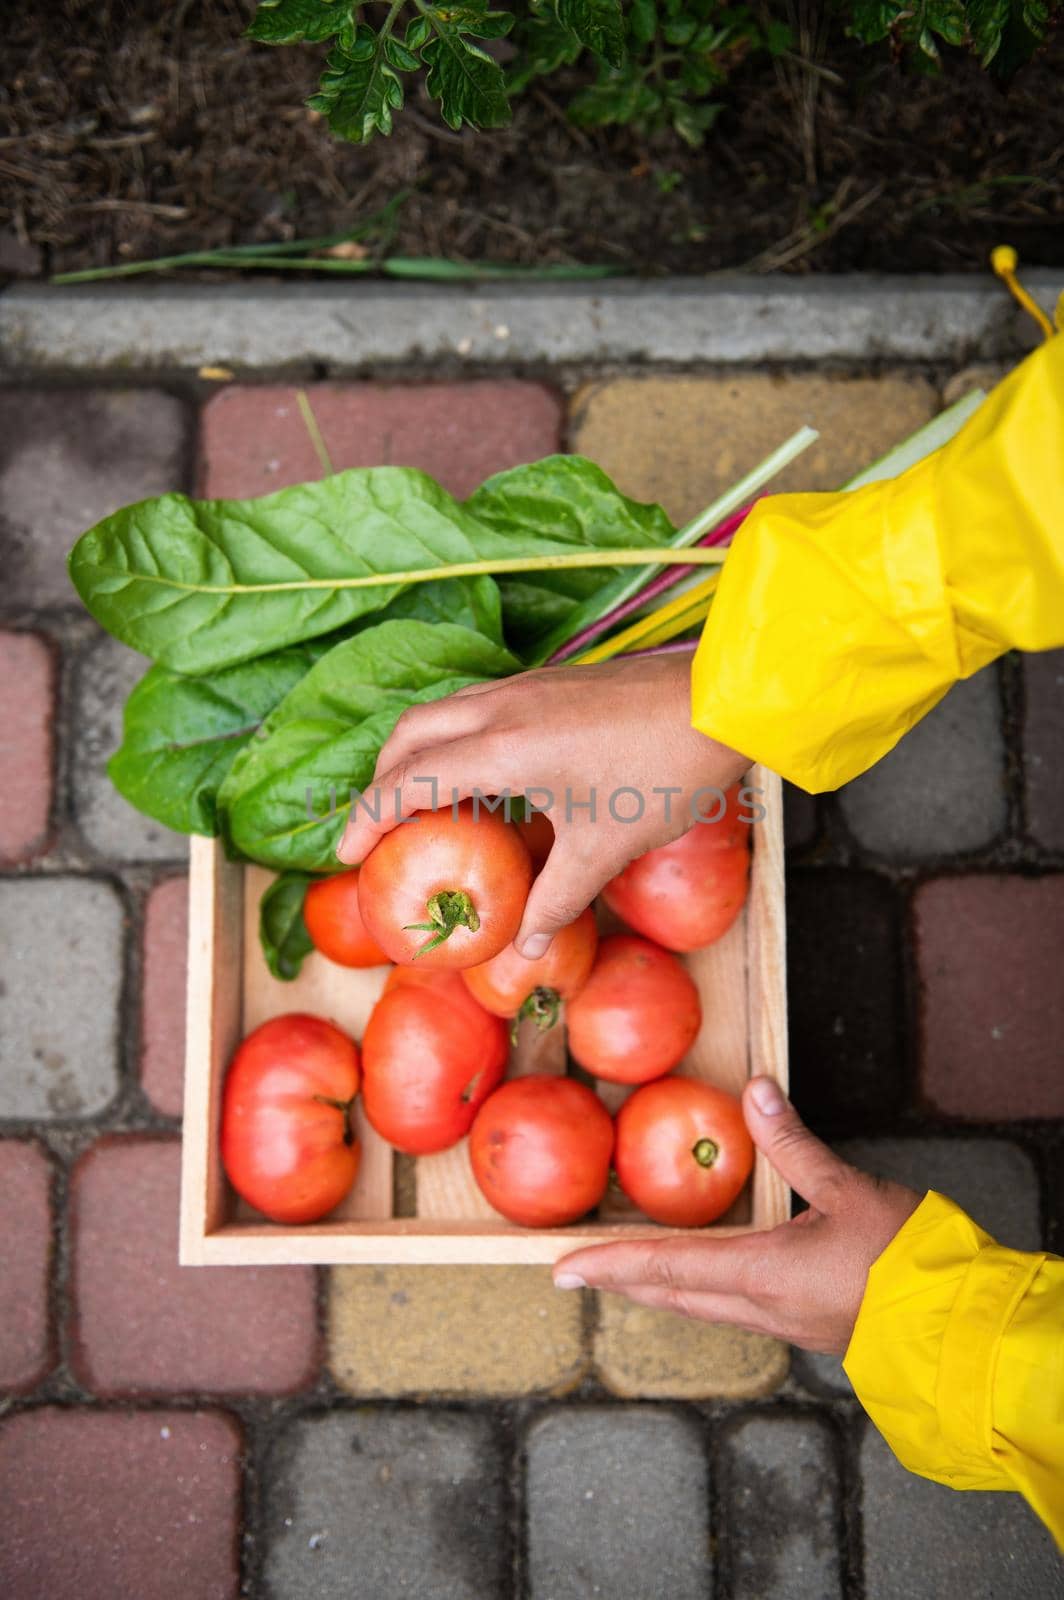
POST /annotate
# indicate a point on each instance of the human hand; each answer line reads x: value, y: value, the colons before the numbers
x: 574, y: 732
x: 802, y: 1281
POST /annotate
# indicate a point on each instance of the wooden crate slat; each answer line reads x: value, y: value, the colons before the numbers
x: 767, y: 988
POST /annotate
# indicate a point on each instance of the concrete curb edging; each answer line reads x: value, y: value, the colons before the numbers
x: 343, y: 327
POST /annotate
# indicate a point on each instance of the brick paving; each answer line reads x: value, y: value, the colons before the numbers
x: 285, y: 1433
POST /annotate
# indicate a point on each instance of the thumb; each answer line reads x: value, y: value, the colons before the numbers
x: 800, y: 1158
x: 564, y: 887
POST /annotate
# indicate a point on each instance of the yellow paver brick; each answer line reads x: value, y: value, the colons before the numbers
x: 658, y: 1355
x: 498, y: 1331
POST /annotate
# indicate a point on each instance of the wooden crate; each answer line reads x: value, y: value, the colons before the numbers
x: 741, y: 980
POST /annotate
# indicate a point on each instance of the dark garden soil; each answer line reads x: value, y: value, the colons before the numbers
x: 137, y: 129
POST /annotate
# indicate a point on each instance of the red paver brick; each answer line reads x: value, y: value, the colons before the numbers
x: 1043, y: 747
x: 145, y: 1325
x: 27, y: 680
x: 25, y: 1256
x: 119, y: 1506
x: 992, y: 1003
x: 253, y: 440
x: 162, y: 1030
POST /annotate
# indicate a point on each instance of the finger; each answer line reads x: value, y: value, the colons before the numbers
x: 732, y: 1309
x: 686, y: 1265
x: 566, y: 885
x: 432, y: 778
x: 423, y: 727
x: 803, y: 1160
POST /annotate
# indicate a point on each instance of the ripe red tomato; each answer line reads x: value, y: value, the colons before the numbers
x: 540, y: 1150
x: 687, y: 894
x: 448, y: 890
x: 537, y: 830
x: 637, y: 1015
x: 683, y: 1152
x: 287, y: 1144
x: 430, y: 1057
x: 334, y: 922
x: 510, y: 986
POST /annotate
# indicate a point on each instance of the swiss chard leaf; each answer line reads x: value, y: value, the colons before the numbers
x: 181, y: 734
x: 277, y: 803
x: 573, y: 503
x: 282, y: 932
x: 598, y: 24
x: 467, y: 82
x: 292, y: 21
x: 204, y: 584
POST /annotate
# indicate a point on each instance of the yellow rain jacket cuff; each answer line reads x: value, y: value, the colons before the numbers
x: 841, y: 619
x: 958, y: 1358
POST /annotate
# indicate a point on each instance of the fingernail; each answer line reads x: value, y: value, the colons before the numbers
x: 767, y: 1097
x: 569, y: 1280
x: 536, y: 945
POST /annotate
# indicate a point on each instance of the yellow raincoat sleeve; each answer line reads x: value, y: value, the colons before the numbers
x: 958, y: 1358
x: 842, y: 618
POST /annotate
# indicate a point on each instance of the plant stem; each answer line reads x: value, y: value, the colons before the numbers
x: 311, y: 422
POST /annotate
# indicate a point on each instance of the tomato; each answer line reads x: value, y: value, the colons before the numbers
x: 537, y: 830
x: 540, y: 1150
x: 687, y: 894
x: 447, y: 890
x: 430, y: 1057
x: 510, y: 986
x: 637, y: 1015
x: 287, y: 1145
x: 334, y: 922
x: 683, y: 1152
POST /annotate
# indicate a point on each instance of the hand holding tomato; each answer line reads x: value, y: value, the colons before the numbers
x: 569, y: 731
x: 802, y: 1281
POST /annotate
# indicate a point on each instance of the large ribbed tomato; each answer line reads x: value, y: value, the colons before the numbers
x: 540, y: 1150
x: 287, y: 1144
x: 683, y: 1151
x: 636, y: 1016
x: 510, y: 986
x: 447, y: 889
x: 687, y: 894
x: 334, y: 922
x: 431, y: 1055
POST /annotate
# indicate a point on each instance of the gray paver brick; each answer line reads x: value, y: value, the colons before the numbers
x: 922, y: 1539
x: 780, y: 1491
x: 942, y: 789
x: 617, y: 1506
x: 60, y: 980
x: 68, y: 458
x: 107, y: 673
x: 376, y: 1505
x: 1043, y: 747
x: 991, y: 1179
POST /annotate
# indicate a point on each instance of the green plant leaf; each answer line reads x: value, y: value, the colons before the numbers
x: 598, y: 24
x: 181, y: 734
x: 323, y: 739
x: 571, y: 502
x: 170, y: 577
x: 468, y: 83
x: 291, y: 21
x: 282, y: 932
x: 360, y: 87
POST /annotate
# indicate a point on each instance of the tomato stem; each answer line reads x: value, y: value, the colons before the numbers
x: 705, y: 1152
x: 541, y: 1006
x: 345, y: 1107
x: 448, y: 909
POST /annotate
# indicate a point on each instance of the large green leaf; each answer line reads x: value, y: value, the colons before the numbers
x: 322, y: 741
x: 205, y: 584
x: 282, y: 932
x: 573, y: 503
x: 599, y: 24
x: 290, y: 21
x: 182, y: 734
x: 468, y: 83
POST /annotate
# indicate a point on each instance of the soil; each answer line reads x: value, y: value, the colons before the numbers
x: 133, y: 130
